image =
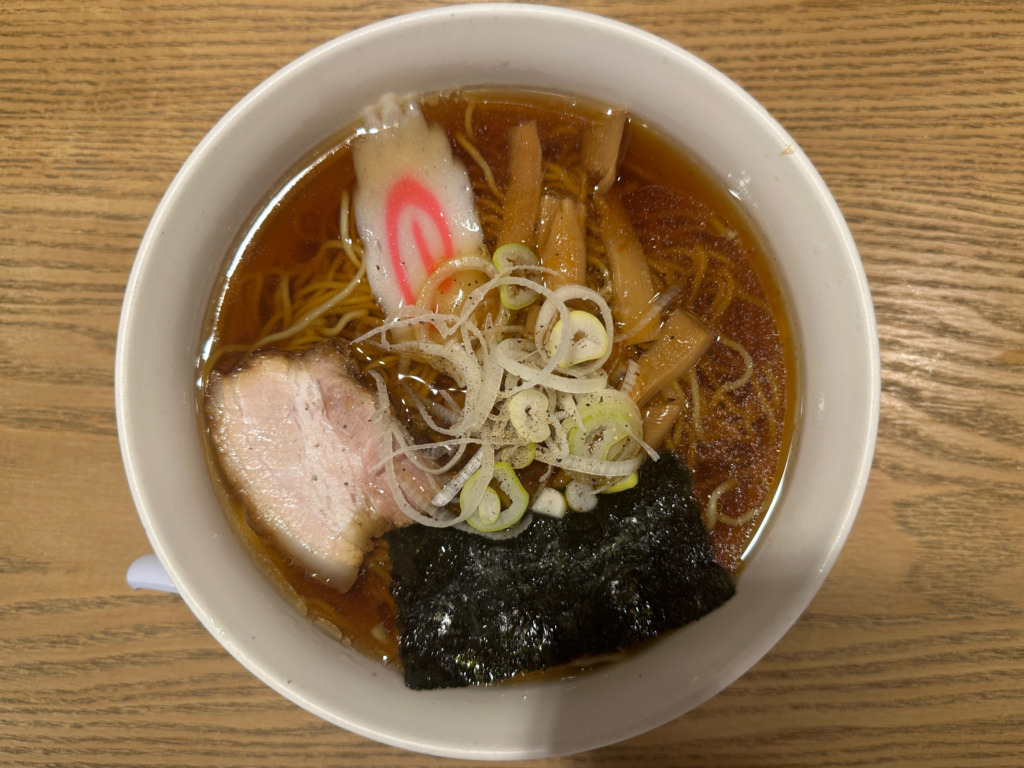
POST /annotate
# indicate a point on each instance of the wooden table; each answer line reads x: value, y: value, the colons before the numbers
x: 911, y: 654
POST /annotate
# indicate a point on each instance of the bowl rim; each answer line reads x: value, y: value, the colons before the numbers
x: 178, y: 565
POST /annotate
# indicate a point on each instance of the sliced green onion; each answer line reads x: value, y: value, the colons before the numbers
x: 528, y: 413
x: 490, y: 507
x: 588, y: 339
x: 550, y: 502
x: 580, y: 496
x: 627, y: 482
x: 475, y: 487
x: 608, y: 420
x: 515, y: 256
x: 484, y: 518
x: 519, y: 456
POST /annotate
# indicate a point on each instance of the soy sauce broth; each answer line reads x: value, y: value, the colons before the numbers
x: 677, y: 211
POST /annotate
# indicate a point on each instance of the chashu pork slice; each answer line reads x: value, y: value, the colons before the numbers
x: 296, y: 438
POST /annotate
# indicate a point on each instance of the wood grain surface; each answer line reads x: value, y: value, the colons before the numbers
x: 911, y: 654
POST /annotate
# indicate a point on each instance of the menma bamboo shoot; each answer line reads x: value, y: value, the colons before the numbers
x: 564, y: 248
x: 682, y: 339
x: 523, y: 190
x: 632, y: 285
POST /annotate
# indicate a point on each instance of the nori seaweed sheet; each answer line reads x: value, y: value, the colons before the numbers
x: 473, y: 610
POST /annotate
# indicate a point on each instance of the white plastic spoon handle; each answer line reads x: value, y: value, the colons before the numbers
x: 147, y: 572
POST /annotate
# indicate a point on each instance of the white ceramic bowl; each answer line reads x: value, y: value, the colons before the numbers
x: 250, y: 150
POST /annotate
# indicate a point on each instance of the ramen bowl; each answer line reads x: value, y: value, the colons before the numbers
x: 245, y: 157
